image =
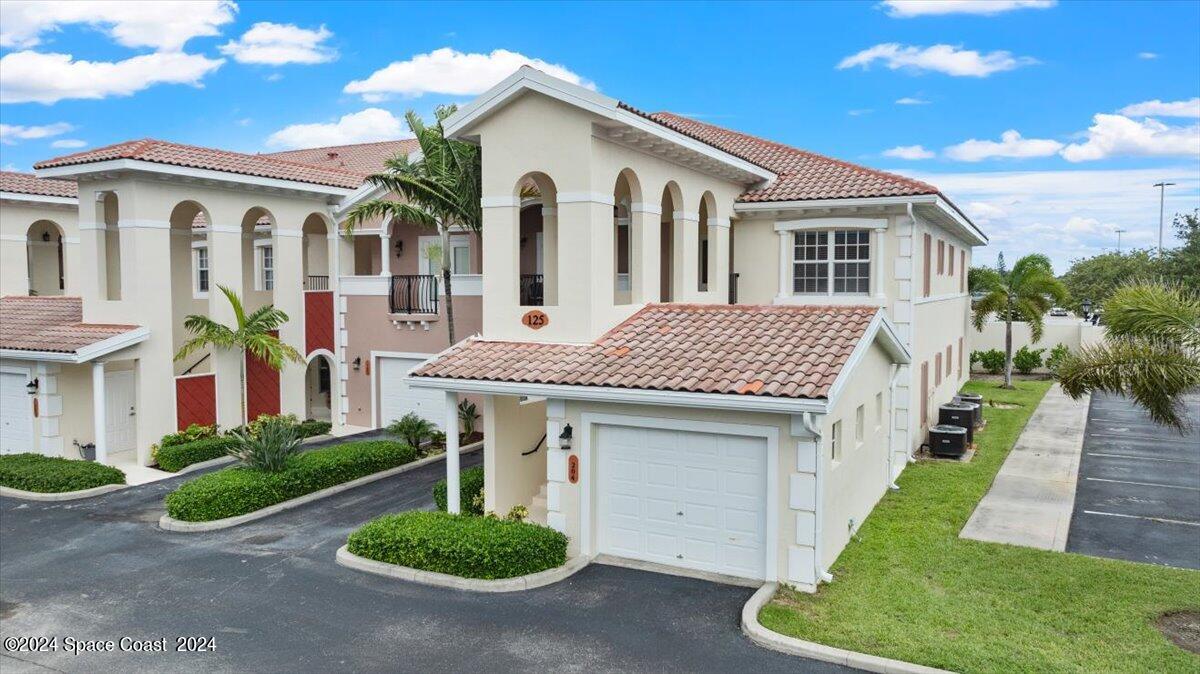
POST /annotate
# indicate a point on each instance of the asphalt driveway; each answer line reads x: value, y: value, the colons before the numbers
x: 271, y: 596
x: 1138, y: 495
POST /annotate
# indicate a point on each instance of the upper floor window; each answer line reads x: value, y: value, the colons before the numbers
x: 200, y: 267
x: 264, y: 278
x: 837, y: 259
x: 460, y: 255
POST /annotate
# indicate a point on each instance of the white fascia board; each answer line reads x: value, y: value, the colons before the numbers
x: 364, y: 193
x: 39, y: 199
x: 975, y: 234
x: 881, y: 329
x: 936, y: 201
x: 83, y: 354
x: 189, y: 172
x: 531, y: 79
x: 748, y: 403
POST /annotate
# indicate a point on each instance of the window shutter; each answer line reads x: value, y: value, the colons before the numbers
x: 924, y: 393
x: 962, y: 280
x: 941, y: 257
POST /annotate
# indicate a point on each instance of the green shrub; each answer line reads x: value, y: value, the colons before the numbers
x: 469, y: 547
x: 277, y: 441
x: 1057, y: 355
x: 1026, y: 360
x: 53, y: 475
x: 192, y: 433
x: 992, y: 360
x: 178, y: 457
x: 254, y: 427
x: 311, y: 427
x: 239, y: 490
x: 468, y: 414
x: 412, y: 429
x: 470, y: 492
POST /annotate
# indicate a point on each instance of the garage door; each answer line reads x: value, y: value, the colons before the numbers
x: 16, y: 414
x: 396, y: 398
x: 683, y: 498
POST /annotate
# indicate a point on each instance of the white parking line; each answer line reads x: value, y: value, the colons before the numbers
x: 1116, y: 436
x: 1141, y: 458
x: 1140, y: 517
x: 1143, y: 484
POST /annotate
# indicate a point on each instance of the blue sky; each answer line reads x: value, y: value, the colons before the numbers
x: 1047, y: 122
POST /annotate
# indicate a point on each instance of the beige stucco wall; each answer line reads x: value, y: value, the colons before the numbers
x: 16, y: 219
x: 511, y: 428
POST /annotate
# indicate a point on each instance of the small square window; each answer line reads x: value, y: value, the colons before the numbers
x: 835, y: 441
x: 878, y: 410
x: 859, y: 425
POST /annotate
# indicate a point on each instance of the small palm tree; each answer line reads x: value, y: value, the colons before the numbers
x: 1151, y: 351
x: 250, y: 334
x: 1026, y: 292
x: 441, y: 190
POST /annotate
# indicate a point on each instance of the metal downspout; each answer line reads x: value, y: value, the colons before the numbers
x: 818, y: 544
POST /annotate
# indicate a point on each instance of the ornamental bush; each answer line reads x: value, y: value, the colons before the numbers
x: 470, y: 491
x: 178, y: 457
x: 1026, y: 360
x: 1057, y: 355
x: 192, y: 433
x: 311, y: 427
x: 992, y: 361
x: 239, y: 490
x: 460, y: 545
x: 54, y: 475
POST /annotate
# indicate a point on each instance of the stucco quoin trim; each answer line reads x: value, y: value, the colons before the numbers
x: 352, y: 561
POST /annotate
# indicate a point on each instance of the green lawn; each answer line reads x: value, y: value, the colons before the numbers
x: 911, y: 589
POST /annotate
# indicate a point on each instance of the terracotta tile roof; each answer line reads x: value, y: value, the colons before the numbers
x: 776, y: 351
x: 803, y: 175
x: 361, y: 157
x: 50, y: 324
x: 27, y: 183
x: 191, y: 156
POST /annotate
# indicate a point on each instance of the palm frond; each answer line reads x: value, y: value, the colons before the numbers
x: 239, y: 311
x: 995, y: 302
x: 1151, y: 310
x: 1154, y: 375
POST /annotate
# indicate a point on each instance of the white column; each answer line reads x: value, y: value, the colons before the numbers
x: 452, y: 488
x: 785, y: 265
x: 98, y: 412
x: 385, y: 246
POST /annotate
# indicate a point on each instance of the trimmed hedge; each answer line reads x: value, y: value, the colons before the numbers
x: 177, y: 457
x: 239, y: 490
x: 54, y: 475
x: 470, y: 486
x: 460, y: 545
x: 311, y: 427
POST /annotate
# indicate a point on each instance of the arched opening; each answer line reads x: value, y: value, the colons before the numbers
x: 672, y: 202
x: 258, y: 258
x: 190, y: 274
x: 538, y: 240
x: 316, y: 253
x: 318, y: 386
x: 108, y: 246
x: 626, y: 192
x: 704, y: 260
x: 44, y: 257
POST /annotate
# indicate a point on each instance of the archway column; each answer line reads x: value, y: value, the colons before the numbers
x: 549, y: 254
x: 718, y: 259
x: 645, y: 253
x: 685, y: 267
x: 225, y: 249
x: 289, y: 297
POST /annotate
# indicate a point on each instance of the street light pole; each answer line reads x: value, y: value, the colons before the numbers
x: 1162, y: 193
x: 1119, y: 233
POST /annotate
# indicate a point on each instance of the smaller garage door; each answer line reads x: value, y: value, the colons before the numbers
x: 396, y: 398
x: 16, y: 414
x: 684, y: 498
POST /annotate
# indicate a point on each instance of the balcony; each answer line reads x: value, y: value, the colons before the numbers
x: 413, y: 294
x: 532, y: 288
x: 316, y: 282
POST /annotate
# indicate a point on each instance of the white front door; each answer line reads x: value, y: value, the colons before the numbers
x: 683, y: 498
x: 120, y: 411
x: 16, y: 414
x: 396, y: 398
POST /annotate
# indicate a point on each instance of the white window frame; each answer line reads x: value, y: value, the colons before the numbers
x: 878, y: 411
x: 457, y: 241
x: 787, y: 229
x: 835, y: 442
x: 261, y: 283
x: 197, y: 291
x: 860, y: 425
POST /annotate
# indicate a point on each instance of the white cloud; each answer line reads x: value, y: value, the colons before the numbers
x: 911, y: 152
x: 1116, y: 135
x: 448, y: 71
x: 860, y: 112
x: 11, y: 133
x: 163, y: 24
x: 1157, y: 108
x: 46, y: 78
x: 906, y: 9
x: 911, y: 100
x: 1066, y: 213
x: 277, y: 44
x: 1147, y: 55
x: 69, y: 143
x: 365, y: 126
x: 942, y: 58
x: 1010, y: 146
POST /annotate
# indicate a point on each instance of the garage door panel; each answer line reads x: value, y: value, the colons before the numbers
x: 16, y: 414
x: 397, y: 398
x: 626, y: 470
x: 743, y: 484
x: 661, y: 510
x: 746, y: 559
x: 743, y: 522
x: 701, y: 551
x: 701, y: 479
x: 653, y: 439
x: 661, y: 475
x: 662, y: 546
x: 623, y: 505
x: 745, y: 450
x: 701, y: 515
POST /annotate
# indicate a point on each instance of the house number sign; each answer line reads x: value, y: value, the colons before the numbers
x: 535, y: 319
x: 573, y: 469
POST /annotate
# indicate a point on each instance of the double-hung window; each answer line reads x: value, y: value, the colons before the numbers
x: 832, y: 262
x: 200, y: 271
x: 264, y: 263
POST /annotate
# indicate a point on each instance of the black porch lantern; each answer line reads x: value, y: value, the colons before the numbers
x: 564, y: 438
x: 32, y: 387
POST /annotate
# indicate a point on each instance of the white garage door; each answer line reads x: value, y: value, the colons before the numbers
x: 16, y: 414
x: 683, y: 498
x: 397, y: 398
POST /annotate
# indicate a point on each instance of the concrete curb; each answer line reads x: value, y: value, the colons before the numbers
x: 168, y: 523
x: 62, y: 495
x: 352, y: 561
x: 812, y: 650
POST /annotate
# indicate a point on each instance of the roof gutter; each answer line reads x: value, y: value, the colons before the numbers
x: 142, y: 166
x: 908, y: 202
x: 820, y: 573
x: 82, y: 354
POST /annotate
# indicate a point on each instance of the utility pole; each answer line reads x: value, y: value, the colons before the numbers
x: 1119, y: 233
x: 1162, y: 193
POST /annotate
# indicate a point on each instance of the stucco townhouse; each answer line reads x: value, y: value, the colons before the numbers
x: 691, y: 347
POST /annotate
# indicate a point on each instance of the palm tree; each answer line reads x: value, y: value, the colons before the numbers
x: 1026, y: 292
x: 441, y: 190
x: 250, y: 334
x: 1151, y: 350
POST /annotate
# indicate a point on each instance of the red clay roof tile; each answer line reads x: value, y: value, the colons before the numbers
x: 27, y: 183
x: 50, y: 324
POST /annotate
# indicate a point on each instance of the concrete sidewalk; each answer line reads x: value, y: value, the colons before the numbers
x: 1031, y: 499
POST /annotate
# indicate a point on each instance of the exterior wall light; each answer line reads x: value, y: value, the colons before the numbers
x: 399, y: 248
x: 564, y: 438
x: 32, y: 387
x: 357, y: 364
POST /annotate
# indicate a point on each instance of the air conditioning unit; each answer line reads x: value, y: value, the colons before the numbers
x: 949, y: 441
x: 972, y: 398
x: 959, y: 414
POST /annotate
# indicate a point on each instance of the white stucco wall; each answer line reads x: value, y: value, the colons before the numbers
x: 16, y: 220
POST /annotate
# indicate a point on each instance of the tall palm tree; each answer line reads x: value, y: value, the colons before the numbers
x: 441, y: 190
x: 1151, y: 350
x: 1024, y: 293
x: 250, y: 334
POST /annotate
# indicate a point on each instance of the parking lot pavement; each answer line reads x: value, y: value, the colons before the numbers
x: 1138, y: 495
